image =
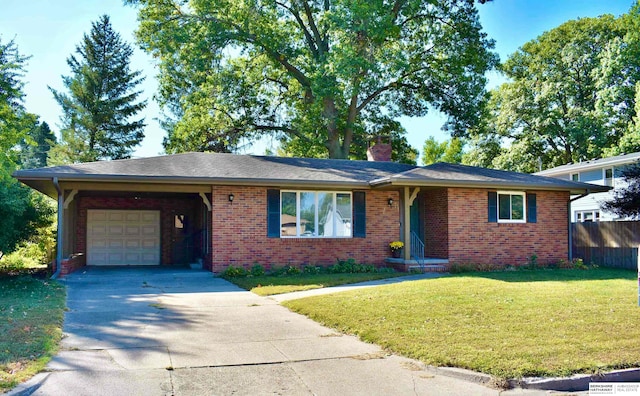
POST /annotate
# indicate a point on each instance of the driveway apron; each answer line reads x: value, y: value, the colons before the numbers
x: 143, y: 331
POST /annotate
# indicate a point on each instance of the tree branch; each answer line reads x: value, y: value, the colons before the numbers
x: 322, y: 44
x: 394, y: 84
x: 312, y: 45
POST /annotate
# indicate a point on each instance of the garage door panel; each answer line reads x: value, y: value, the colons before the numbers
x: 133, y: 230
x: 148, y: 218
x: 135, y: 244
x: 123, y: 237
x: 115, y: 215
x: 148, y: 230
x: 132, y: 217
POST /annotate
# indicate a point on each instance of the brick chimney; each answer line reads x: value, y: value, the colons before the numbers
x: 379, y: 151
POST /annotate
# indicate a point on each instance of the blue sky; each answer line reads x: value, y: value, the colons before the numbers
x: 48, y: 31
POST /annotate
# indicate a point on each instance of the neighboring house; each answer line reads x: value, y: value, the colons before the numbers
x: 603, y: 172
x: 240, y: 209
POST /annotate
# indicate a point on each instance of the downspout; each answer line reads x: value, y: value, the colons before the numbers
x: 60, y: 229
x: 569, y: 222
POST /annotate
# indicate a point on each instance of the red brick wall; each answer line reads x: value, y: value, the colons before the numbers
x: 436, y: 223
x: 166, y: 206
x: 239, y: 233
x: 472, y: 239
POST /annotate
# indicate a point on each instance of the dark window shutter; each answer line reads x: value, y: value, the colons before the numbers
x: 359, y: 214
x: 273, y: 213
x: 493, y: 207
x: 532, y: 210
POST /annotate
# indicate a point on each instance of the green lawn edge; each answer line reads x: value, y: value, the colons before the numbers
x: 509, y: 324
x: 267, y: 285
x: 31, y: 318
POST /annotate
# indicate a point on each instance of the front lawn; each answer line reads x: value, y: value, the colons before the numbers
x: 507, y: 324
x: 31, y: 314
x: 266, y: 285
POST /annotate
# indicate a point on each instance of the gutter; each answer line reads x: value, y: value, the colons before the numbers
x: 569, y: 221
x: 60, y: 229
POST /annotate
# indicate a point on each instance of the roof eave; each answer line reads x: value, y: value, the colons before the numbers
x: 489, y: 184
x: 586, y: 166
x: 37, y: 181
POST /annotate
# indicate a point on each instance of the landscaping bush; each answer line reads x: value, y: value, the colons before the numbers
x: 311, y: 269
x: 532, y: 263
x: 12, y: 262
x: 257, y: 270
x: 234, y: 272
x: 460, y: 268
x: 350, y: 266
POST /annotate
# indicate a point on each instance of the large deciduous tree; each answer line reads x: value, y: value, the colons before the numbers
x: 450, y: 151
x: 22, y: 212
x: 101, y: 101
x: 548, y: 114
x: 320, y: 74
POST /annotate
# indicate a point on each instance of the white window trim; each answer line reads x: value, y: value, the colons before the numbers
x: 574, y: 174
x: 524, y: 206
x: 595, y: 215
x: 298, y: 222
x: 604, y: 176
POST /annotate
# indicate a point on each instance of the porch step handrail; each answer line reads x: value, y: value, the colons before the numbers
x: 417, y: 250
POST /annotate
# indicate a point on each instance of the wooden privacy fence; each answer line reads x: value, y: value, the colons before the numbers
x: 608, y: 243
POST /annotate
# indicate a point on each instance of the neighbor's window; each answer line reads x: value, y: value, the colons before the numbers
x: 587, y: 216
x: 315, y: 214
x: 608, y: 177
x: 575, y: 177
x: 511, y: 207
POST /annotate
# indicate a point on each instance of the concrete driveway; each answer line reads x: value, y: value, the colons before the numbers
x: 183, y: 332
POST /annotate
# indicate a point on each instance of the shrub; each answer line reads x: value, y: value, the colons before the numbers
x: 12, y: 262
x: 257, y: 270
x: 291, y: 270
x: 312, y: 269
x: 234, y: 272
x: 578, y: 263
x: 460, y: 268
x: 532, y: 263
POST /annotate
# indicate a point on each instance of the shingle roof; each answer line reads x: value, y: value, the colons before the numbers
x: 456, y: 175
x: 215, y: 168
x: 592, y: 164
x: 212, y: 167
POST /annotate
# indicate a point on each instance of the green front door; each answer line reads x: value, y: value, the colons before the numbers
x: 415, y: 218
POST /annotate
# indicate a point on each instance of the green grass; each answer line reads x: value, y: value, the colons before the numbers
x: 31, y: 314
x: 507, y: 324
x: 268, y: 285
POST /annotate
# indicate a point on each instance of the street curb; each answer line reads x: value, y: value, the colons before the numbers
x: 30, y: 386
x: 463, y: 374
x: 578, y: 382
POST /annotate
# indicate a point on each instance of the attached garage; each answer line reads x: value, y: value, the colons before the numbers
x: 123, y: 237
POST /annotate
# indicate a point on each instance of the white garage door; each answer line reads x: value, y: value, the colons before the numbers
x: 123, y: 237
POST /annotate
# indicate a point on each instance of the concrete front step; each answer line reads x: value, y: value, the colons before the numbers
x: 427, y: 268
x: 430, y: 265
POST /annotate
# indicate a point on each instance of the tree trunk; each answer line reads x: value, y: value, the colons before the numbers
x: 330, y: 113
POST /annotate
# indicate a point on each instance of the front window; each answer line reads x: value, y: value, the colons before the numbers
x: 511, y: 207
x: 315, y: 214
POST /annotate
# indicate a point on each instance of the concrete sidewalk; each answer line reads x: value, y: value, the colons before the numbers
x: 354, y: 286
x: 182, y: 332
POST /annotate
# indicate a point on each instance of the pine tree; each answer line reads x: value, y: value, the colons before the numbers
x: 35, y: 147
x: 101, y: 100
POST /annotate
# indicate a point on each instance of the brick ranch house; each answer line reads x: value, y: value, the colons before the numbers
x: 222, y: 209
